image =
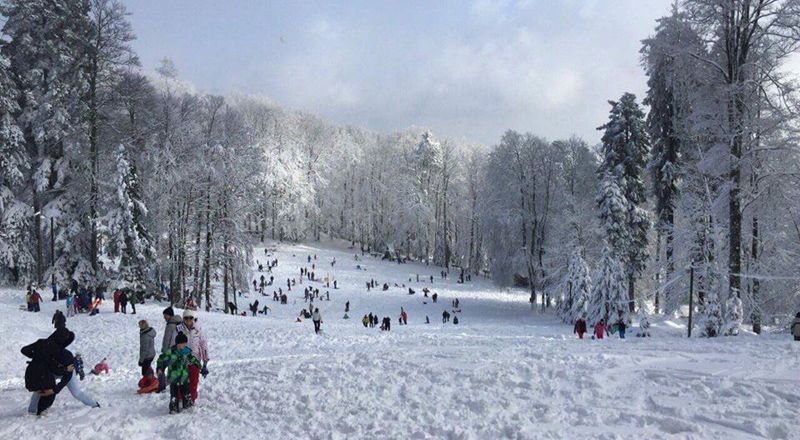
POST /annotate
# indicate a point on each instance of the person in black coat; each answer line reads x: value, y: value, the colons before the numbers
x: 48, y: 361
x: 123, y: 301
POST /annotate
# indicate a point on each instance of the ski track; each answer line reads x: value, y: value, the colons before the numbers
x: 503, y: 372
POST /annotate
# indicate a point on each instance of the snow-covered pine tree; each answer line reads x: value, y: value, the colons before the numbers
x: 624, y: 152
x: 577, y: 288
x: 607, y: 301
x: 733, y: 316
x: 670, y: 82
x: 128, y: 238
x: 47, y: 54
x: 16, y: 260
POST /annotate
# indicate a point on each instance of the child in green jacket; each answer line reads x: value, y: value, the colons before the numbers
x: 176, y: 360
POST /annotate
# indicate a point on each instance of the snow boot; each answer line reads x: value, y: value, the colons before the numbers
x: 187, y: 402
x: 173, y: 406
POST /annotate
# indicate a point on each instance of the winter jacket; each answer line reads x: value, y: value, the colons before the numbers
x: 147, y: 345
x: 197, y: 341
x: 177, y: 363
x: 44, y: 366
x: 169, y: 333
x: 116, y: 296
x: 123, y: 298
x: 796, y: 328
x: 316, y: 317
x: 599, y: 330
x: 580, y: 326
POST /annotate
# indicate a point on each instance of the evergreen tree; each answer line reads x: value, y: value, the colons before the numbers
x: 624, y: 152
x: 607, y: 300
x: 128, y: 237
x: 15, y: 254
x: 47, y: 54
x: 577, y: 289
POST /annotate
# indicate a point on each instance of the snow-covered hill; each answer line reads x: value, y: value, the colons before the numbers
x: 502, y: 372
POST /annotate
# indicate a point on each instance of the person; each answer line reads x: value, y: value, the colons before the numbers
x: 35, y: 299
x: 600, y: 329
x: 48, y: 362
x: 371, y: 320
x: 455, y: 320
x: 70, y: 305
x: 445, y: 316
x: 386, y: 324
x: 254, y: 308
x: 170, y: 329
x: 621, y: 326
x: 101, y: 368
x: 178, y: 362
x: 123, y: 302
x: 427, y: 320
x: 116, y: 300
x: 403, y: 316
x: 580, y: 326
x: 59, y: 320
x: 347, y: 307
x: 365, y: 321
x: 197, y: 343
x: 317, y: 318
x: 134, y: 298
x: 148, y: 383
x: 435, y: 296
x: 795, y: 328
x: 147, y: 345
x: 78, y: 363
x: 644, y: 326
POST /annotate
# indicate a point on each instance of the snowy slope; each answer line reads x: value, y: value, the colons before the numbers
x: 503, y: 372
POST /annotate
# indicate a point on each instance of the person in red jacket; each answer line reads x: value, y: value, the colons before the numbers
x: 148, y: 383
x: 116, y: 300
x: 580, y: 326
x: 599, y: 329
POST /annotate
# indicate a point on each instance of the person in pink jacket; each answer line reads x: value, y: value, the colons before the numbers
x: 600, y: 329
x: 197, y: 343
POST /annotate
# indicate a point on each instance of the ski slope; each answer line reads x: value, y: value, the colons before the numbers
x: 502, y: 372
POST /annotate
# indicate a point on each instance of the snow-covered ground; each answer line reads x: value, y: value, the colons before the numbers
x: 502, y: 372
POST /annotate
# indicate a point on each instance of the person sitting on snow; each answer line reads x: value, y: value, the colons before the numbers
x: 101, y: 368
x: 148, y: 383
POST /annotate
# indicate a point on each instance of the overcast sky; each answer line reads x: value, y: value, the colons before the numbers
x: 468, y: 70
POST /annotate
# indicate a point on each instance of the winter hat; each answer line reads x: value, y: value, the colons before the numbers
x: 169, y: 312
x: 180, y: 338
x: 65, y: 357
x: 188, y: 313
x: 62, y: 337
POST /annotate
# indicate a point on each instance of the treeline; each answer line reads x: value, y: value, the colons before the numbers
x: 113, y: 177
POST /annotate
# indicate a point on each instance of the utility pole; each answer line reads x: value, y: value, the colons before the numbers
x: 691, y: 298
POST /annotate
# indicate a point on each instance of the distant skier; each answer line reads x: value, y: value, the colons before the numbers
x: 580, y: 326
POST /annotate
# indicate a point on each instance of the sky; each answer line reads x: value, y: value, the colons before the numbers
x: 467, y: 70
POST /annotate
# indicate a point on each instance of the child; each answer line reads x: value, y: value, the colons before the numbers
x: 148, y: 383
x: 100, y: 368
x: 580, y: 326
x: 177, y: 360
x: 78, y: 363
x: 70, y: 305
x: 599, y: 329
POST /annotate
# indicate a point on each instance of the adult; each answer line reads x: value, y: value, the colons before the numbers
x: 123, y: 302
x: 317, y: 318
x: 796, y: 327
x: 600, y: 329
x: 580, y: 326
x: 197, y: 343
x: 621, y: 327
x: 116, y: 300
x: 48, y: 361
x: 170, y: 330
x: 35, y: 299
x: 133, y: 298
x: 147, y: 346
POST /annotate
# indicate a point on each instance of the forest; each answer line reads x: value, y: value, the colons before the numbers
x: 118, y: 177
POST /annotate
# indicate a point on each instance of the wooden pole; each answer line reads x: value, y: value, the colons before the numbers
x: 691, y: 298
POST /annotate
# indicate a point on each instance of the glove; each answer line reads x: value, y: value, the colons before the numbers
x: 204, y: 371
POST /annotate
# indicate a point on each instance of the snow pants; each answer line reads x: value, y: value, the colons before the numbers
x: 317, y: 326
x: 580, y: 335
x: 116, y: 306
x: 622, y: 333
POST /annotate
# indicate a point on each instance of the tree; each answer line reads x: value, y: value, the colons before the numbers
x: 624, y: 151
x: 15, y: 255
x: 607, y: 300
x: 577, y: 288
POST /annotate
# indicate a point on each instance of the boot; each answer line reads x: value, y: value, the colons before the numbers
x: 173, y: 406
x: 187, y: 402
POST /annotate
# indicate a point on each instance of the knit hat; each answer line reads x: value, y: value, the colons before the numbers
x: 188, y: 313
x: 169, y: 312
x: 180, y: 338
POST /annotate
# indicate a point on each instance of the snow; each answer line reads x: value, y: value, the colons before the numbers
x: 503, y: 372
